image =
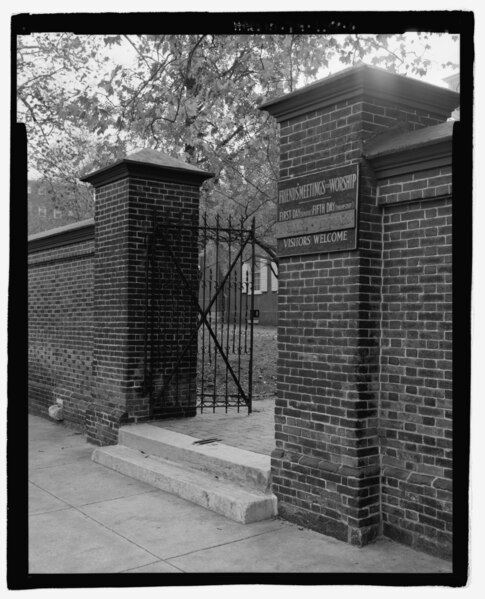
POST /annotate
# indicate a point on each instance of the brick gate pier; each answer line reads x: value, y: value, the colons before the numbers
x: 363, y: 416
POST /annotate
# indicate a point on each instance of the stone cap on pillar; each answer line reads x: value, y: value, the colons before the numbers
x: 149, y: 164
x: 394, y: 154
x: 367, y: 82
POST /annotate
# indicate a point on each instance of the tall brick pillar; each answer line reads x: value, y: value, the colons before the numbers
x: 129, y: 194
x: 326, y: 465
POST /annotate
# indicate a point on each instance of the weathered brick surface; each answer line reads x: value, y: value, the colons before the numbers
x: 173, y: 312
x: 126, y: 212
x: 102, y: 424
x: 329, y: 438
x: 415, y: 424
x: 428, y: 184
x: 60, y: 329
x: 314, y: 140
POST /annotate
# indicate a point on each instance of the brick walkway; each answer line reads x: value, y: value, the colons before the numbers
x: 254, y: 432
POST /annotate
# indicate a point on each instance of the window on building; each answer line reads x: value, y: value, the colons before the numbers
x: 260, y: 277
x: 42, y: 211
x: 57, y: 213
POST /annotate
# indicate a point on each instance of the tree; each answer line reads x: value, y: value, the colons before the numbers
x: 55, y: 80
x: 192, y: 96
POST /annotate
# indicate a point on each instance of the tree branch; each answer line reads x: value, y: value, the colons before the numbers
x: 136, y: 50
x: 42, y: 76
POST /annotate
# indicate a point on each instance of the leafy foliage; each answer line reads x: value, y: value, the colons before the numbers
x: 192, y: 96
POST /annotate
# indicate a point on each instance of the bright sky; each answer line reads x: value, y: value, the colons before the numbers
x: 443, y: 50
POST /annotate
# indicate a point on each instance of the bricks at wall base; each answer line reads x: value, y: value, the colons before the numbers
x: 346, y: 505
x: 102, y: 425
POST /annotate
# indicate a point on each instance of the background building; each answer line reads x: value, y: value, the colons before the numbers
x: 53, y: 205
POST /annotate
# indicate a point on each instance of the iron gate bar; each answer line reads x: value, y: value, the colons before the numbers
x: 210, y: 312
x: 246, y: 315
x: 234, y: 320
x: 204, y: 266
x: 228, y: 312
x: 253, y: 264
x: 203, y: 319
x: 240, y: 315
x: 217, y: 279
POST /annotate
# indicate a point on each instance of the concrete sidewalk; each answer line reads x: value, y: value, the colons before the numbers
x: 84, y: 518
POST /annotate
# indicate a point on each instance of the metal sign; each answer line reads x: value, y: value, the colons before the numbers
x: 318, y: 212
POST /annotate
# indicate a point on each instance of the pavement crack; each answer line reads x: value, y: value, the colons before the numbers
x: 53, y: 511
x: 118, y: 534
x: 32, y: 468
x: 116, y: 498
x: 51, y: 494
x: 156, y: 562
x: 222, y: 544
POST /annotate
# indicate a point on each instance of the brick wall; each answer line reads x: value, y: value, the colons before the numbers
x: 415, y: 419
x: 60, y: 317
x: 333, y: 424
x: 327, y: 469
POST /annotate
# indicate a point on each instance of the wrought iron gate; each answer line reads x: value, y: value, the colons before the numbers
x: 199, y: 315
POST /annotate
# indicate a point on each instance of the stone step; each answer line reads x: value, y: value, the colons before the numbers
x: 202, y: 488
x: 231, y: 463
